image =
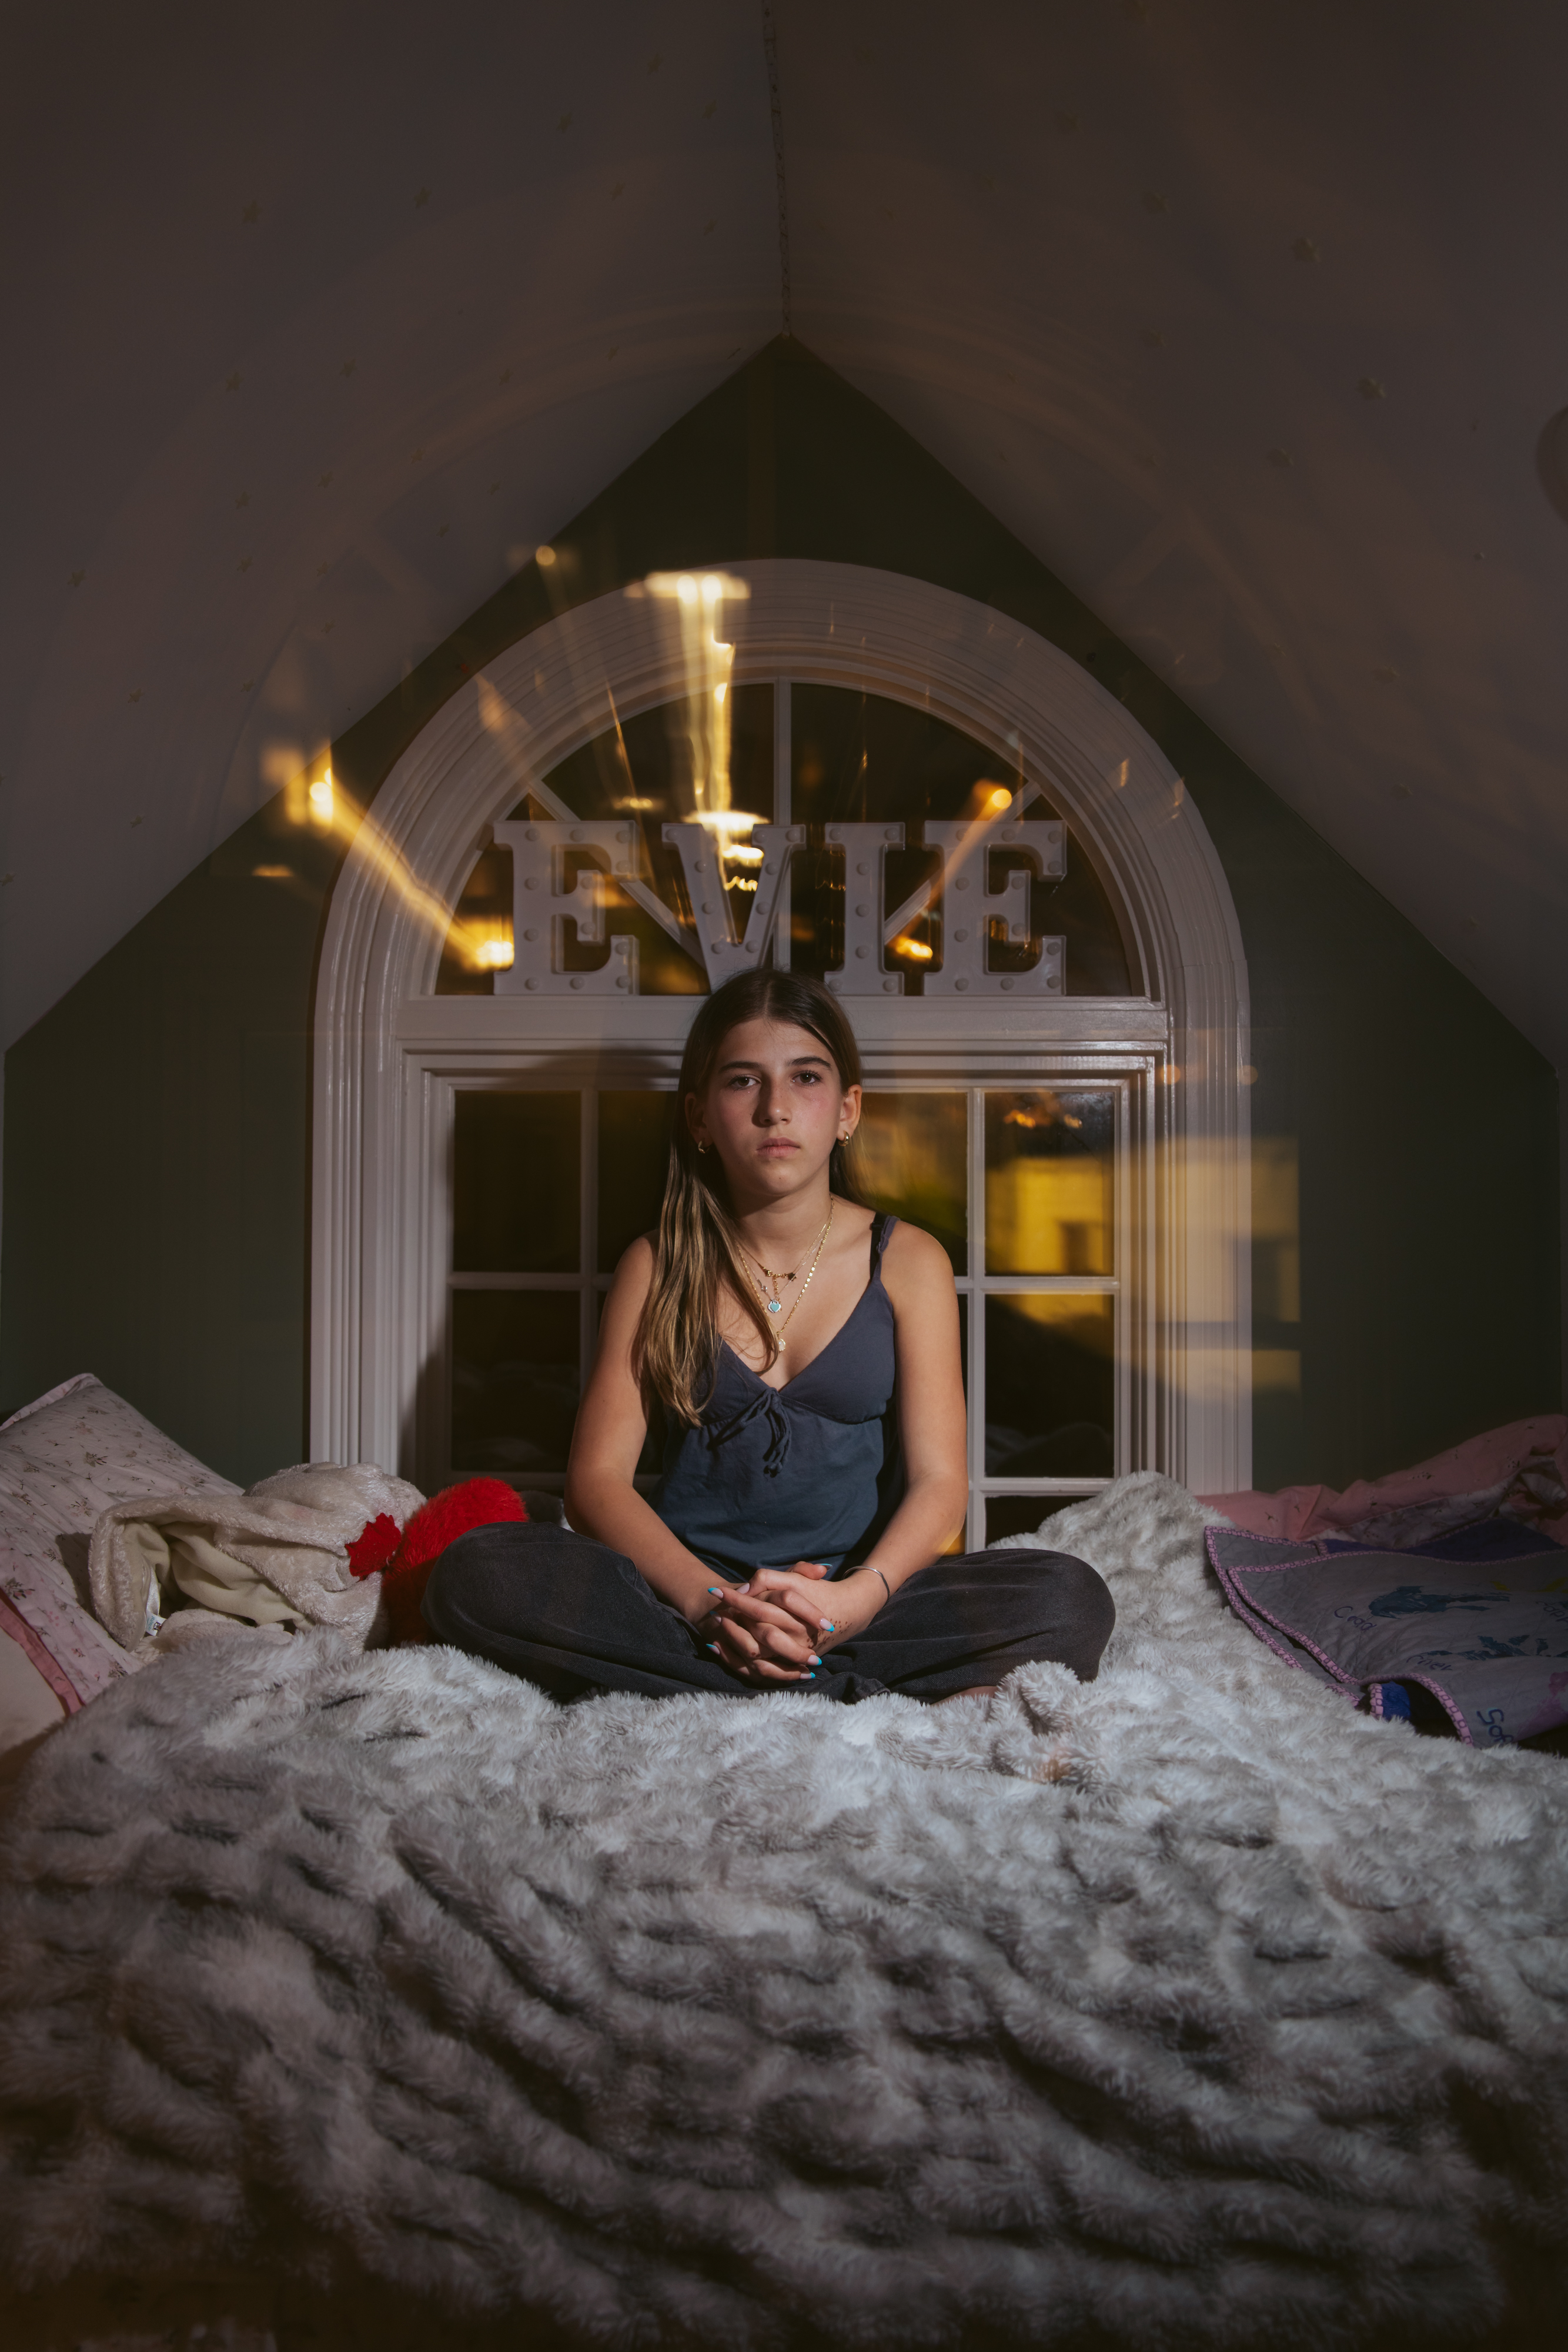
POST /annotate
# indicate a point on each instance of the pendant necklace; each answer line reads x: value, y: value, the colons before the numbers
x: 775, y: 1305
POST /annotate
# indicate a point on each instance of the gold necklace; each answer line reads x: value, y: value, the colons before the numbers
x: 776, y: 1280
x: 776, y: 1305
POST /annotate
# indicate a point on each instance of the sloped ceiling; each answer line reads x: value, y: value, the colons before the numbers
x: 1247, y: 320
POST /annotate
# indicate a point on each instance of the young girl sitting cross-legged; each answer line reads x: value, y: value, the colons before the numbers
x: 801, y: 1356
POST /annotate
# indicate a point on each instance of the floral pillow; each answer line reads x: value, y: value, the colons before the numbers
x: 64, y: 1460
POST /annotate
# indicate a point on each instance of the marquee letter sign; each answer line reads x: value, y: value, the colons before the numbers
x: 723, y: 953
x: 865, y: 848
x: 962, y: 897
x: 542, y: 906
x: 967, y: 904
x: 970, y: 906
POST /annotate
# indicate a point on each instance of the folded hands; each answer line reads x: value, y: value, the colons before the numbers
x: 775, y: 1628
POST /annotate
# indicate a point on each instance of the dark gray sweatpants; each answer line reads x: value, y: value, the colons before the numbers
x: 573, y: 1616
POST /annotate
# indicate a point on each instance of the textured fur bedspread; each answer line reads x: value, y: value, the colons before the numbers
x: 1184, y: 2008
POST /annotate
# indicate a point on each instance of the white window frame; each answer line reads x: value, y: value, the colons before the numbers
x: 388, y: 1052
x: 1132, y: 1086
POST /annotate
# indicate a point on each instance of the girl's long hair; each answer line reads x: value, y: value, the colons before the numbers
x: 698, y: 1248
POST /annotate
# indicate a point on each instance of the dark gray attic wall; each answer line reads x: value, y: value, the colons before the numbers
x: 1426, y: 1126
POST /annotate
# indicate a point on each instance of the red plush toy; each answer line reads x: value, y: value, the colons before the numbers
x: 404, y: 1562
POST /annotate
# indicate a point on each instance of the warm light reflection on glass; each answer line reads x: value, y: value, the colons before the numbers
x: 481, y: 946
x: 1048, y: 1163
x: 708, y: 659
x: 905, y: 945
x: 998, y: 798
x: 482, y: 943
x: 729, y: 828
x: 1054, y: 1116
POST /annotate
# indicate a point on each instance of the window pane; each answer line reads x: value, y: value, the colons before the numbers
x: 1050, y: 1387
x: 633, y: 1155
x: 516, y: 1162
x: 1023, y: 1514
x: 911, y: 1154
x: 480, y: 932
x: 1048, y: 1182
x: 514, y: 1378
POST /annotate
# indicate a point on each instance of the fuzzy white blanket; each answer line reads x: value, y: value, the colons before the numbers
x: 1184, y: 2008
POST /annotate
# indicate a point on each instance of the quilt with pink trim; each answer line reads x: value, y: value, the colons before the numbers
x: 1484, y: 1636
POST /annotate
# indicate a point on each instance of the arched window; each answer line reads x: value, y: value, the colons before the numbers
x: 879, y: 783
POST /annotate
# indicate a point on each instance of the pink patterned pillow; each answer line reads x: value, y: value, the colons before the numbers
x: 64, y: 1459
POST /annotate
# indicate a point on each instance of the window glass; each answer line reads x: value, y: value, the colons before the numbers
x: 1048, y: 1163
x: 515, y: 1379
x: 634, y: 1129
x: 1023, y: 1514
x: 1050, y: 1386
x: 911, y: 1156
x: 517, y: 1163
x: 480, y: 933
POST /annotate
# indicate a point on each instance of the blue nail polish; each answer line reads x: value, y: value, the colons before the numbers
x: 814, y: 1659
x: 808, y: 1678
x: 714, y: 1648
x: 716, y: 1590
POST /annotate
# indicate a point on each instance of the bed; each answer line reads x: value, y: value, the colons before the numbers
x: 1188, y: 2008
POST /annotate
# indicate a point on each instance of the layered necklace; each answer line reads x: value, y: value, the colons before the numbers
x: 777, y: 1314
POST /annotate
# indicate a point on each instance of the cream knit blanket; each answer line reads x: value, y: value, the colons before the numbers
x: 274, y: 1556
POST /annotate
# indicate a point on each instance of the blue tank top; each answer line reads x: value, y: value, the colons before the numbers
x: 772, y: 1476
